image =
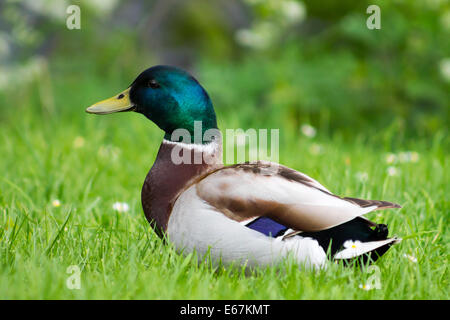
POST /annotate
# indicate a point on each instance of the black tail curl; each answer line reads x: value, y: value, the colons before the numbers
x: 358, y: 229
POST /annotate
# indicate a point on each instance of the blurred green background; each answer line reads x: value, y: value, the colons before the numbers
x: 265, y: 63
x: 365, y: 112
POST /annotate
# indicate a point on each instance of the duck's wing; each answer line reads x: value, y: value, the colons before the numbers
x: 246, y: 191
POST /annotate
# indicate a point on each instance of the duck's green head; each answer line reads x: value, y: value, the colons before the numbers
x: 168, y: 96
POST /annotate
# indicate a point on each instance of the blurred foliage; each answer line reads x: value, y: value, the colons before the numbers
x: 265, y: 63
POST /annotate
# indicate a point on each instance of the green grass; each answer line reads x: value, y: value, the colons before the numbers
x: 90, y: 162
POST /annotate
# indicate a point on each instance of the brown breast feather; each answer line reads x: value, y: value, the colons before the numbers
x: 164, y: 182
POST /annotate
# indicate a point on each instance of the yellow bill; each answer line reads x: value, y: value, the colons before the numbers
x: 117, y: 103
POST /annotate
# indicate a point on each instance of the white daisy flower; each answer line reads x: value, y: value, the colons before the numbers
x: 351, y: 249
x: 308, y: 130
x: 121, y: 206
x: 410, y: 258
x: 350, y: 244
x: 56, y: 203
x: 366, y: 287
x: 392, y: 171
x: 391, y: 158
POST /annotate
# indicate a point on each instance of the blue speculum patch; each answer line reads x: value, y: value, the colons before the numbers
x: 267, y: 226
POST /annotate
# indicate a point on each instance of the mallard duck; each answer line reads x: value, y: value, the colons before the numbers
x: 238, y: 214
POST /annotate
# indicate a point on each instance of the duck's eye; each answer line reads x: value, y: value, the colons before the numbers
x: 153, y: 84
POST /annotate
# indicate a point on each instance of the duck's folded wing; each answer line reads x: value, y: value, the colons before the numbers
x: 245, y: 191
